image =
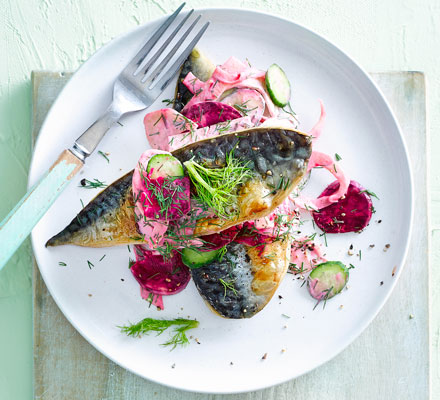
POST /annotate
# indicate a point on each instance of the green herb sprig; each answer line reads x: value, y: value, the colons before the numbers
x: 147, y: 325
x: 95, y: 184
x: 104, y: 155
x: 217, y: 187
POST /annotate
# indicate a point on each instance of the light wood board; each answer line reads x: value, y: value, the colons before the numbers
x: 390, y: 360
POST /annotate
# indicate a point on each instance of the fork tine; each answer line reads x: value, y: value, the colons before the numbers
x: 172, y: 71
x: 167, y: 58
x: 154, y: 58
x: 142, y: 53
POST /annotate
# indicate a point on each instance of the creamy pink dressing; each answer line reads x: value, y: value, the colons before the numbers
x: 306, y: 254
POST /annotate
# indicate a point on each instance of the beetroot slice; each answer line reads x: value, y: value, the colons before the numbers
x: 218, y: 240
x: 249, y: 236
x: 158, y: 275
x: 349, y: 214
x: 176, y: 191
x: 211, y: 112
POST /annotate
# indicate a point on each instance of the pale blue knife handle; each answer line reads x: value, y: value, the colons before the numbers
x: 20, y: 221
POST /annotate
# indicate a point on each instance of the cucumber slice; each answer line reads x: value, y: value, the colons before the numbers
x: 327, y: 280
x: 278, y: 85
x: 196, y: 259
x: 164, y: 165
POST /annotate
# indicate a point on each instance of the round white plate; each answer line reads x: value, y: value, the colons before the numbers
x: 360, y: 127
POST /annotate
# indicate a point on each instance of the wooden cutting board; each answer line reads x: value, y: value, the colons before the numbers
x: 390, y: 360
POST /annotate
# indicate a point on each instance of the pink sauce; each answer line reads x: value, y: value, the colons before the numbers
x: 306, y: 255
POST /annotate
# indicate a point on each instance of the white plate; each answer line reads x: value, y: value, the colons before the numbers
x: 360, y: 127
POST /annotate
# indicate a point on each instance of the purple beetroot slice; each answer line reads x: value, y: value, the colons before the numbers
x: 218, y: 240
x: 249, y: 236
x: 349, y: 214
x: 158, y: 275
x: 211, y: 112
x: 177, y: 192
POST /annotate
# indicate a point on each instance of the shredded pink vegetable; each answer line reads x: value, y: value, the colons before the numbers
x: 177, y: 141
x: 152, y: 229
x: 156, y: 299
x: 232, y: 74
x: 163, y: 123
x: 316, y: 131
x: 318, y: 159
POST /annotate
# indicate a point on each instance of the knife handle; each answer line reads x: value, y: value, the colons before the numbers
x: 20, y: 221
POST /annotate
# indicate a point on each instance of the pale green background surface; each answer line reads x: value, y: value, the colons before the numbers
x: 381, y: 35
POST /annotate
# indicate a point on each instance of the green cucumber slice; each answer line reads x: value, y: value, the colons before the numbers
x: 278, y: 85
x: 164, y: 165
x: 196, y: 259
x: 327, y: 280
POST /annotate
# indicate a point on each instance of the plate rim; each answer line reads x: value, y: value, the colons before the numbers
x: 403, y: 256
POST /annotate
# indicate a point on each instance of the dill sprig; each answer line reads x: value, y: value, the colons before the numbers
x: 165, y: 194
x: 95, y: 184
x: 228, y: 285
x: 104, y: 155
x: 147, y: 325
x: 370, y: 193
x: 243, y: 108
x: 217, y: 187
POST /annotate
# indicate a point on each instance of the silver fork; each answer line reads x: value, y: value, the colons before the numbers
x: 136, y: 88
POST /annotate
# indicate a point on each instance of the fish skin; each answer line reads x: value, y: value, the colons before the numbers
x: 254, y: 276
x: 201, y: 66
x: 108, y: 220
x: 278, y: 156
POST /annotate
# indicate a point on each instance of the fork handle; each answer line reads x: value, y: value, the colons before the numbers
x: 89, y: 140
x: 20, y: 221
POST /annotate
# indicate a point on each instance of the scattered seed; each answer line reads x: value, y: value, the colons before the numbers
x: 411, y: 316
x: 231, y: 363
x: 379, y: 222
x: 342, y: 214
x: 283, y: 350
x: 264, y: 356
x: 381, y: 283
x: 280, y: 297
x: 350, y: 253
x: 285, y: 327
x: 197, y: 341
x: 90, y: 295
x: 173, y: 366
x: 394, y: 270
x: 341, y: 306
x: 351, y: 247
x: 371, y: 246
